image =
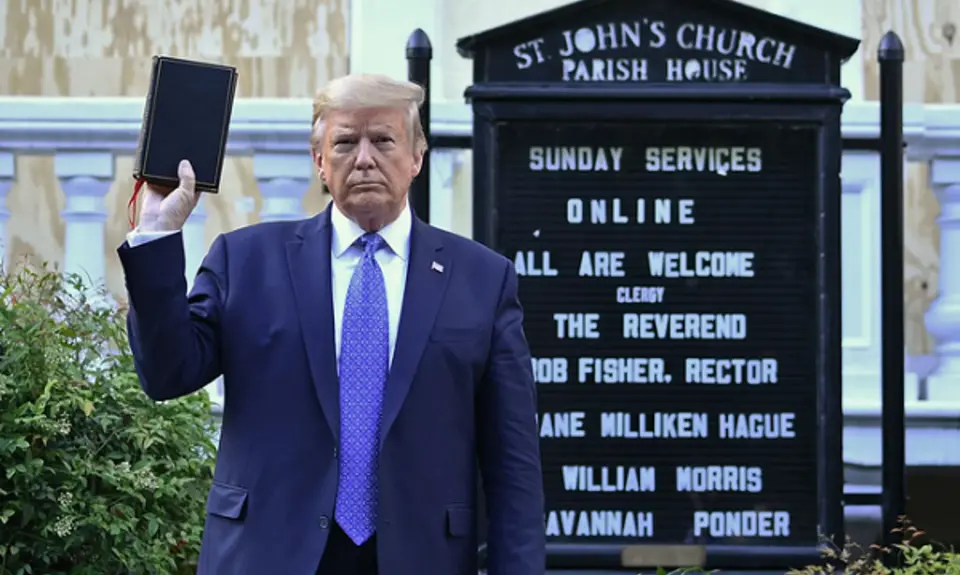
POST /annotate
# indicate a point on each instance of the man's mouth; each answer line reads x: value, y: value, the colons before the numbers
x: 366, y: 186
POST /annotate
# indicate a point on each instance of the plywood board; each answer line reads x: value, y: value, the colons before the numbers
x: 930, y: 32
x: 282, y: 48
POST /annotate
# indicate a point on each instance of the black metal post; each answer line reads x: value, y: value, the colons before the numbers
x: 890, y: 56
x: 419, y: 55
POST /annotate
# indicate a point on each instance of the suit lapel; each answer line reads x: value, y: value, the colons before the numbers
x: 422, y: 297
x: 308, y: 259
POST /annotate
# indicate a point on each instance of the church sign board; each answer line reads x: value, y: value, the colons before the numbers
x: 665, y: 176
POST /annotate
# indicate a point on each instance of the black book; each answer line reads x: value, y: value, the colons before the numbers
x: 186, y: 116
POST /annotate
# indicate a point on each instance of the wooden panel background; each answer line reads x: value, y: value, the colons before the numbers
x: 282, y: 48
x: 931, y: 75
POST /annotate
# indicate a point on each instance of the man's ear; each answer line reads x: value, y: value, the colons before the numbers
x: 318, y: 163
x: 417, y: 163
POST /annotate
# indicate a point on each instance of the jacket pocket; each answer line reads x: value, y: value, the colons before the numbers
x: 227, y: 501
x: 460, y: 521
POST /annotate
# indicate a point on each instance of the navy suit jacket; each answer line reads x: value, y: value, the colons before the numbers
x: 460, y: 393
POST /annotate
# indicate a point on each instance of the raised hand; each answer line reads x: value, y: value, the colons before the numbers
x: 165, y: 209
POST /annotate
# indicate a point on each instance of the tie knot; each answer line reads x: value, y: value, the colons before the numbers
x: 371, y: 243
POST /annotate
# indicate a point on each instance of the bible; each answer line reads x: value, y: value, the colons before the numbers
x: 186, y: 115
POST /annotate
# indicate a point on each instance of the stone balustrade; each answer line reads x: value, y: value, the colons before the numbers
x: 932, y: 135
x: 84, y: 136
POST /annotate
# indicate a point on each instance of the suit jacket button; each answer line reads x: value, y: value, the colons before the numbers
x: 324, y: 522
x: 335, y: 453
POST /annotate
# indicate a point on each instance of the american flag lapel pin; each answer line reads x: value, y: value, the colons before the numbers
x: 437, y: 267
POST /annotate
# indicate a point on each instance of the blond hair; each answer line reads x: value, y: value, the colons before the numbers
x: 369, y: 91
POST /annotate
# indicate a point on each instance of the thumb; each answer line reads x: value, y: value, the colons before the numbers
x: 188, y: 179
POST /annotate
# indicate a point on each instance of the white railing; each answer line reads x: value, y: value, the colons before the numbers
x: 932, y: 134
x: 85, y: 135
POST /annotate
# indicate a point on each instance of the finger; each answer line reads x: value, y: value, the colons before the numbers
x: 188, y: 180
x: 162, y: 191
x: 177, y: 206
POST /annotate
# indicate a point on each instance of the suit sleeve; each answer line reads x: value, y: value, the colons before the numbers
x: 174, y: 337
x: 509, y: 447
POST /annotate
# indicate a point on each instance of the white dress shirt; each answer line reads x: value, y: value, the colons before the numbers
x: 344, y: 257
x: 393, y: 260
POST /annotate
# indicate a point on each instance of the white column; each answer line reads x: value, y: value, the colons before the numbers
x: 195, y: 241
x: 943, y: 317
x: 283, y: 179
x: 443, y: 167
x: 7, y: 175
x: 860, y: 249
x: 85, y: 178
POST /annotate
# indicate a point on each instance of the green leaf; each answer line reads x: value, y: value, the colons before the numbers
x: 95, y: 475
x: 6, y: 514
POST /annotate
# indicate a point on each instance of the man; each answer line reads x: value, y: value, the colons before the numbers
x: 370, y: 362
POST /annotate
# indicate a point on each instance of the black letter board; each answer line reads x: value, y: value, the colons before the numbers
x: 665, y: 174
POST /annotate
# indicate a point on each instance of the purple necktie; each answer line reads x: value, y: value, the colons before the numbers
x: 364, y: 359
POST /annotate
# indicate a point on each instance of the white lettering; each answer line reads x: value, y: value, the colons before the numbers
x: 701, y: 264
x: 605, y: 70
x: 706, y: 69
x: 720, y: 161
x: 601, y: 211
x: 613, y: 36
x: 618, y: 370
x: 663, y: 210
x: 718, y: 54
x: 599, y: 523
x: 757, y: 426
x: 575, y: 159
x: 639, y: 294
x: 602, y: 264
x: 568, y: 424
x: 720, y: 478
x: 654, y: 425
x: 524, y: 58
x: 736, y: 43
x: 684, y: 326
x: 577, y: 325
x: 609, y: 479
x: 526, y: 263
x: 550, y: 369
x: 741, y: 523
x: 736, y: 371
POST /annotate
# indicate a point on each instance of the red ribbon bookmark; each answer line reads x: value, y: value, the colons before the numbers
x: 132, y: 204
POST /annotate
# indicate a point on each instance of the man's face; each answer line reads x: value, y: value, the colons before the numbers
x: 367, y: 160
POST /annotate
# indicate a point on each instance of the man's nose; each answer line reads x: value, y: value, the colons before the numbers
x: 365, y: 154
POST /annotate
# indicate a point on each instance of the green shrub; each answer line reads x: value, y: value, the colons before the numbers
x: 918, y: 557
x: 95, y: 478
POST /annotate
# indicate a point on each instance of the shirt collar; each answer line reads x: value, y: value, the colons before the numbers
x: 395, y: 234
